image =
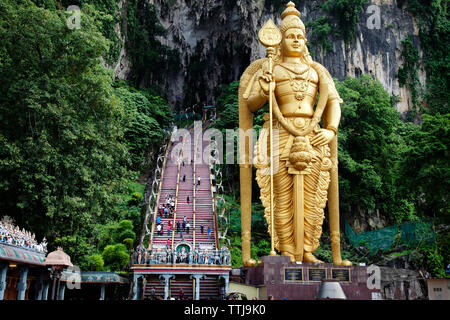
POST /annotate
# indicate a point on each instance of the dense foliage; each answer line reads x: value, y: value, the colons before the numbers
x: 346, y: 12
x: 425, y: 165
x: 149, y: 114
x: 151, y: 59
x: 370, y: 148
x: 408, y: 74
x: 70, y: 134
x: 434, y: 26
x: 339, y: 19
x: 63, y: 154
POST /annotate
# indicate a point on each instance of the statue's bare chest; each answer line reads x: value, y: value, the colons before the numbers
x: 296, y: 88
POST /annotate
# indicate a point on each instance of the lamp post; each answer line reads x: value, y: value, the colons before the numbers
x: 57, y: 260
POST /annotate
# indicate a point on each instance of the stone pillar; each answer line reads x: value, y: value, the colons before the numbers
x: 45, y: 290
x: 22, y: 284
x: 197, y: 278
x: 102, y: 291
x: 226, y: 277
x: 3, y: 270
x: 62, y: 290
x: 166, y: 278
x: 39, y: 287
x: 136, y: 287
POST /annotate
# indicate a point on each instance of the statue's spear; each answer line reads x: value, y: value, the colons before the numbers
x: 270, y: 37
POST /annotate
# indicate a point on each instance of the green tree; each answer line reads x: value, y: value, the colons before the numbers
x: 347, y: 14
x: 408, y: 74
x: 123, y: 231
x: 78, y: 248
x: 63, y: 157
x: 369, y: 148
x: 228, y: 118
x: 434, y: 25
x: 151, y: 59
x: 95, y: 262
x: 425, y: 167
x: 116, y: 257
x: 129, y: 243
x: 148, y: 115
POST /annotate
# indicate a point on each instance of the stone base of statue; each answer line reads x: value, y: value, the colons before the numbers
x: 282, y: 279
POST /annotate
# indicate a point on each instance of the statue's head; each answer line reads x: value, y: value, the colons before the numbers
x: 293, y: 31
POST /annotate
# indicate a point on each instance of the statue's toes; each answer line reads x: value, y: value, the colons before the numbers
x: 346, y: 263
x: 309, y: 257
x: 290, y: 255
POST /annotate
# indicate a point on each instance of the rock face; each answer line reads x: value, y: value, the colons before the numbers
x: 123, y: 66
x: 217, y: 40
x: 402, y: 284
x: 364, y: 220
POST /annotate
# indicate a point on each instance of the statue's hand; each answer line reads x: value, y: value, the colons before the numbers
x: 264, y: 81
x: 323, y: 137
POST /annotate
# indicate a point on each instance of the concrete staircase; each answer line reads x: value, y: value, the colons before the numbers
x: 198, y: 211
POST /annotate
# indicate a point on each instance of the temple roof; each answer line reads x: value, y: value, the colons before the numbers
x: 58, y: 258
x: 94, y: 277
x: 18, y: 254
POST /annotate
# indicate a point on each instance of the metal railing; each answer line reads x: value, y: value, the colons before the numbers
x: 159, y: 182
x: 197, y: 257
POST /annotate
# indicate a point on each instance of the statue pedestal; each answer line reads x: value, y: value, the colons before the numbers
x: 283, y: 279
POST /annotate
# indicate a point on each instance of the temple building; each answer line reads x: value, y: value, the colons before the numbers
x: 26, y: 272
x: 23, y: 275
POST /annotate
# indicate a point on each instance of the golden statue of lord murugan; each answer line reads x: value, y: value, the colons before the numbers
x: 302, y: 169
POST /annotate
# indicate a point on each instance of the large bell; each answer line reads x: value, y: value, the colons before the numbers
x: 331, y: 290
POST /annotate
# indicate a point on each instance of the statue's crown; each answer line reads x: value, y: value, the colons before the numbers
x: 291, y: 19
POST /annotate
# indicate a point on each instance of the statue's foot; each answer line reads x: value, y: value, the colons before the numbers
x: 250, y: 263
x: 309, y: 257
x: 290, y: 255
x: 344, y: 263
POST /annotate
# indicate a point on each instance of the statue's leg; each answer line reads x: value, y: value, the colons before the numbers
x: 246, y: 217
x: 284, y: 214
x: 316, y: 186
x: 333, y: 209
x: 283, y: 192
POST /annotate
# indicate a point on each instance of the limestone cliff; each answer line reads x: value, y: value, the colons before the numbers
x: 218, y: 39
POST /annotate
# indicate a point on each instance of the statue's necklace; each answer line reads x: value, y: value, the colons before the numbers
x: 299, y: 83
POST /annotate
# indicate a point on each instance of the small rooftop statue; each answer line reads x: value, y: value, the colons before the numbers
x: 12, y: 235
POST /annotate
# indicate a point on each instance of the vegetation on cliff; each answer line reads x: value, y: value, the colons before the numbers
x: 72, y: 140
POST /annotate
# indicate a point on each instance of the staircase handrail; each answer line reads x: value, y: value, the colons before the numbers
x: 158, y: 197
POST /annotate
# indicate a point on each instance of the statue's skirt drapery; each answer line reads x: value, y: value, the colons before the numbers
x: 316, y: 182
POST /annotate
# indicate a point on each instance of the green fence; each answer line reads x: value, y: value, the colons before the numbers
x: 183, y: 116
x: 187, y: 116
x: 409, y: 233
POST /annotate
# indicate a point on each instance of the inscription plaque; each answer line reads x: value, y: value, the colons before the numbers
x: 342, y: 275
x: 293, y: 274
x: 317, y: 274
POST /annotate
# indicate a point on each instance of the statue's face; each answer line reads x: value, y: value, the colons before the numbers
x: 293, y: 43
